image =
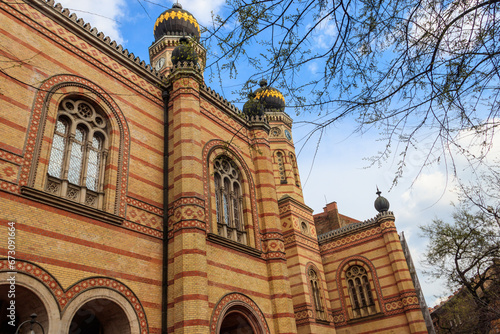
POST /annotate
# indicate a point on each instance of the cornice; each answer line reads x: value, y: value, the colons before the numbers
x: 279, y: 116
x: 352, y: 228
x: 287, y: 198
x: 97, y: 38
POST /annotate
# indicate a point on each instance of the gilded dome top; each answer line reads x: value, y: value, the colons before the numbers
x: 176, y: 21
x: 270, y: 97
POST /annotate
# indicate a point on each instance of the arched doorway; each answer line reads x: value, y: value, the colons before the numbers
x: 236, y: 313
x: 99, y: 316
x: 236, y: 322
x: 26, y: 303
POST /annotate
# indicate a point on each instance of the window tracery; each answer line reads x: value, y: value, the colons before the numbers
x: 78, y: 154
x: 229, y: 200
x: 360, y: 292
x: 316, y: 294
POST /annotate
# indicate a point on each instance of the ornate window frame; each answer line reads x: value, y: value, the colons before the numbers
x: 280, y: 161
x: 359, y: 290
x: 356, y: 304
x: 316, y: 292
x: 229, y: 204
x: 293, y: 163
x: 304, y: 228
x: 211, y: 151
x: 78, y: 153
x: 34, y: 172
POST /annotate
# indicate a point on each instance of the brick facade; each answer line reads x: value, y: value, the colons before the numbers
x: 166, y: 249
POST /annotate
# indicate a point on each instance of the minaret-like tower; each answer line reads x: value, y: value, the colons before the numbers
x: 305, y: 268
x: 286, y: 173
x: 170, y: 27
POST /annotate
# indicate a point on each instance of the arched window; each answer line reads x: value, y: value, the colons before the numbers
x: 316, y: 294
x: 293, y: 162
x: 281, y: 167
x: 360, y: 292
x: 78, y: 154
x: 229, y: 200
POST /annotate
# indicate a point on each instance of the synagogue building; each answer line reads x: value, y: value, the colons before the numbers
x: 134, y: 199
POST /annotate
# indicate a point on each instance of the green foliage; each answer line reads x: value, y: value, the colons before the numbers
x: 461, y: 251
x: 466, y: 253
x: 459, y: 315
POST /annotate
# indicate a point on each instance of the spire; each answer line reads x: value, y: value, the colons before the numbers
x: 381, y: 203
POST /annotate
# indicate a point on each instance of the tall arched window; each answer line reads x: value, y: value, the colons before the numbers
x: 316, y: 294
x: 280, y: 159
x: 229, y: 200
x: 360, y: 292
x: 293, y: 162
x: 78, y: 154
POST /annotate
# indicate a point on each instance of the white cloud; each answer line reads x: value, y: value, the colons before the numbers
x: 202, y: 10
x: 103, y: 15
x: 427, y: 190
x: 324, y: 33
x: 313, y: 68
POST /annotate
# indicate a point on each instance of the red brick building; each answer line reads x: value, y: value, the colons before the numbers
x: 134, y: 199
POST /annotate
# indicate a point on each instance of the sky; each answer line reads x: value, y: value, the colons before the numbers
x: 335, y: 170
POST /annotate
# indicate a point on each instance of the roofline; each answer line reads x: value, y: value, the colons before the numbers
x: 96, y: 37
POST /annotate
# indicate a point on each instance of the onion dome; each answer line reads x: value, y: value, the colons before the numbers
x: 381, y: 203
x: 176, y: 21
x: 270, y: 97
x: 184, y: 52
x: 253, y: 106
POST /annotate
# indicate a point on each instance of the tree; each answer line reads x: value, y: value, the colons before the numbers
x: 484, y: 192
x: 410, y: 68
x: 458, y: 315
x: 466, y: 254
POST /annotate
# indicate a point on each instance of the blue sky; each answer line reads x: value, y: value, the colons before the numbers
x: 340, y: 170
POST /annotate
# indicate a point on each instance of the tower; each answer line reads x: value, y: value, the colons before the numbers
x: 169, y: 28
x: 271, y: 101
x: 305, y: 269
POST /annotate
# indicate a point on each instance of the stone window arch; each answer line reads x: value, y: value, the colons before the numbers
x: 316, y: 294
x: 78, y: 153
x: 229, y: 200
x: 360, y: 291
x: 110, y: 204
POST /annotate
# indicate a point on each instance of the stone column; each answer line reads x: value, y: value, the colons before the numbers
x: 188, y: 310
x: 407, y: 293
x: 272, y: 240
